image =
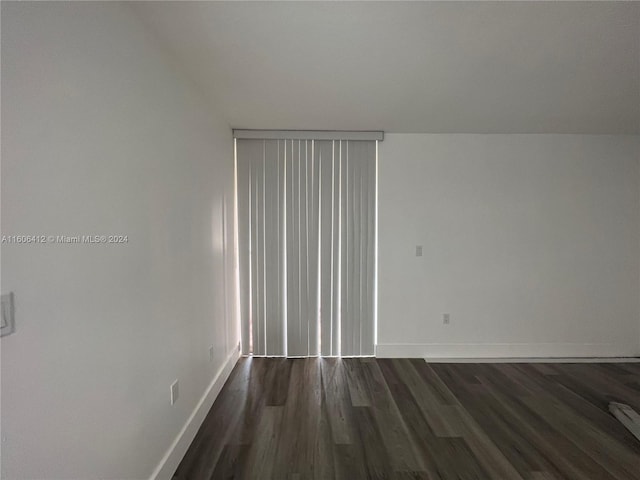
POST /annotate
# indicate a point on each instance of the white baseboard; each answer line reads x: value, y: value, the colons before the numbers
x: 169, y: 463
x: 536, y: 360
x: 503, y: 350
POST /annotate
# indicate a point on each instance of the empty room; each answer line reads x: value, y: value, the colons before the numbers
x: 300, y: 240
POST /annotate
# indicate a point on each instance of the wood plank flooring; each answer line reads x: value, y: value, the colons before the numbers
x: 352, y: 419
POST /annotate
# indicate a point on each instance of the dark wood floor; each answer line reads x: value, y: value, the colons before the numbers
x: 357, y: 419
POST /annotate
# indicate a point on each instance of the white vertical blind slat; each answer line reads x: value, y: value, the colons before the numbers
x: 369, y: 220
x: 323, y: 151
x: 355, y: 263
x: 294, y: 315
x: 313, y: 252
x: 257, y: 169
x: 272, y: 289
x: 282, y: 246
x: 303, y: 242
x: 336, y: 292
x: 346, y: 327
x: 254, y: 259
x: 244, y: 153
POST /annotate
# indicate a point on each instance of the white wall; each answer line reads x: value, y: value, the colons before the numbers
x: 102, y: 136
x: 531, y: 243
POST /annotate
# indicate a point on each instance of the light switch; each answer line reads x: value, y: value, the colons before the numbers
x: 175, y: 391
x: 8, y: 324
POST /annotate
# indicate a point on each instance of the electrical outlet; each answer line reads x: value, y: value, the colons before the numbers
x: 445, y: 318
x: 211, y: 353
x: 418, y: 250
x: 174, y: 392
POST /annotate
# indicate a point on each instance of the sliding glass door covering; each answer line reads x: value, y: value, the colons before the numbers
x: 307, y: 246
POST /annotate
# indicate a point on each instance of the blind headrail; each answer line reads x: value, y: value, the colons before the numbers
x: 309, y: 134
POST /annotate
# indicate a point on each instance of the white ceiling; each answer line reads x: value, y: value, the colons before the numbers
x: 436, y: 67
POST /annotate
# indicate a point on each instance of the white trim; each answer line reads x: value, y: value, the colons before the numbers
x: 171, y: 459
x: 536, y: 360
x: 504, y: 350
x: 308, y: 134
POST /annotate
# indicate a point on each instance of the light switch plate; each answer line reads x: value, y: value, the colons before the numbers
x: 175, y: 392
x: 8, y: 320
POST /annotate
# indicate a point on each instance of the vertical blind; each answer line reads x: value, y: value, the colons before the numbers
x: 307, y: 239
